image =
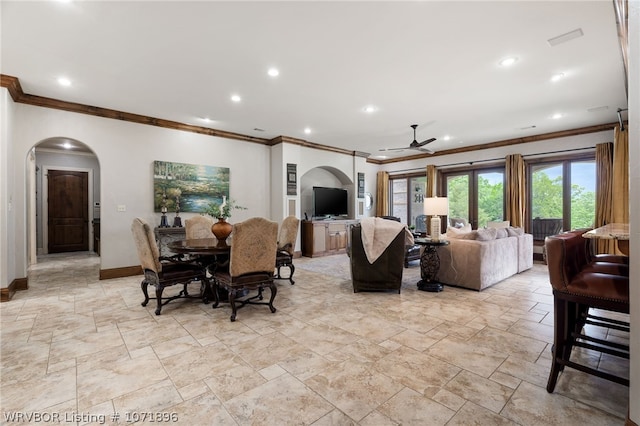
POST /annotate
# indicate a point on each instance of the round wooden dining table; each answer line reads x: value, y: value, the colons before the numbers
x: 211, y: 253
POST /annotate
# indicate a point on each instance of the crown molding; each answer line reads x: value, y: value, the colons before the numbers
x: 15, y: 90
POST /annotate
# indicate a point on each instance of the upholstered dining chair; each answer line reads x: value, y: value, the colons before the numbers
x: 164, y: 273
x: 198, y: 227
x: 253, y: 254
x: 286, y: 246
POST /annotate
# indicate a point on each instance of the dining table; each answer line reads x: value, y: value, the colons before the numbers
x: 612, y: 231
x: 211, y: 253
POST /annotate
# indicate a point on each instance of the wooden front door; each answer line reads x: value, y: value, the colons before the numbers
x: 68, y: 211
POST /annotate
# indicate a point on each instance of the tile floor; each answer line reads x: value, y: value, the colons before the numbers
x: 83, y: 351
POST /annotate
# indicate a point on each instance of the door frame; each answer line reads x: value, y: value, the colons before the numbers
x: 45, y: 202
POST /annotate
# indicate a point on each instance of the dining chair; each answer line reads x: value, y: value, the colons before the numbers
x: 198, y: 227
x: 253, y: 254
x: 162, y: 273
x: 286, y: 246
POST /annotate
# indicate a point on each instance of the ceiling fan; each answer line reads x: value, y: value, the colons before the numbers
x: 415, y: 144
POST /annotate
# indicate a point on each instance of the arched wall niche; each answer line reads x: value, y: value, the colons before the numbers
x: 59, y: 153
x: 329, y: 177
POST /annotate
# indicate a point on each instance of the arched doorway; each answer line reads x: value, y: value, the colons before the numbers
x: 64, y: 198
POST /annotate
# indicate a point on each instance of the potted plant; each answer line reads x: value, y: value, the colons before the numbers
x: 222, y: 211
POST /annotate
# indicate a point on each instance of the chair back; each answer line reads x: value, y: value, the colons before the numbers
x: 567, y: 254
x: 254, y: 247
x: 198, y: 227
x: 421, y: 223
x: 146, y: 245
x: 288, y: 234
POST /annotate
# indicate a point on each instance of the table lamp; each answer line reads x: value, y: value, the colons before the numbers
x: 436, y: 207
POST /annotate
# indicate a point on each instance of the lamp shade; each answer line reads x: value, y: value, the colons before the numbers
x: 436, y: 206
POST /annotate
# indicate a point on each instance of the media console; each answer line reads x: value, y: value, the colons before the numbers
x: 325, y: 237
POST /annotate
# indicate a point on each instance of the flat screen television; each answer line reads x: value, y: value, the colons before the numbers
x: 330, y: 202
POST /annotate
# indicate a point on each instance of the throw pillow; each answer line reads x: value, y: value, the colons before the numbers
x: 458, y: 232
x: 498, y: 224
x: 486, y: 234
x: 515, y: 231
x: 501, y: 233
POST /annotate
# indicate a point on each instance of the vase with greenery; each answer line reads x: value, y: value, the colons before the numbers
x: 222, y: 211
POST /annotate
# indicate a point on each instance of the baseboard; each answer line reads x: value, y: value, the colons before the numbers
x: 17, y: 284
x: 127, y: 271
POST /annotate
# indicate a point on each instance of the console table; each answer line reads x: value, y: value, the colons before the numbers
x: 429, y: 264
x: 165, y: 236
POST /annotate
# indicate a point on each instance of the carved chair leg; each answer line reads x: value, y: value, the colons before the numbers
x: 274, y: 291
x: 143, y: 285
x: 292, y: 269
x: 232, y: 302
x: 159, y: 289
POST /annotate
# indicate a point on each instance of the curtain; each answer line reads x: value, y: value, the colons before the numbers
x: 516, y: 190
x: 604, y: 193
x: 432, y: 190
x: 620, y: 177
x: 382, y: 194
x: 431, y: 181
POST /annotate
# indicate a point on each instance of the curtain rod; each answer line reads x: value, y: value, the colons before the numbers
x: 620, y: 118
x: 495, y: 159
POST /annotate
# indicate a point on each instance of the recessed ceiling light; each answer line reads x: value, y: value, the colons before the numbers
x: 557, y: 116
x: 206, y: 119
x: 236, y: 98
x: 63, y: 81
x: 273, y: 72
x: 307, y: 130
x: 507, y: 62
x: 446, y: 137
x: 557, y: 77
x: 369, y: 109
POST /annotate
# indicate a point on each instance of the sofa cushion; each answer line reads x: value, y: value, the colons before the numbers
x: 498, y: 224
x: 459, y: 232
x: 486, y: 234
x: 501, y: 233
x: 515, y: 231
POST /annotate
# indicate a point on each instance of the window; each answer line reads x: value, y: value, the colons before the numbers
x: 407, y: 199
x: 477, y: 196
x: 562, y: 196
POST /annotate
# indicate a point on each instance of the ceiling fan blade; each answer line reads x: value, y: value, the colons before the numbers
x: 423, y: 143
x: 425, y: 150
x: 392, y: 149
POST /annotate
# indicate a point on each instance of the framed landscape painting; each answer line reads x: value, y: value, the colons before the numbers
x: 193, y: 186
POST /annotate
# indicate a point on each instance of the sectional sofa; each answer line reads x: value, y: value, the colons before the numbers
x: 478, y: 259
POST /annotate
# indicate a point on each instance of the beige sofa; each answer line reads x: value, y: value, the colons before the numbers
x: 479, y: 259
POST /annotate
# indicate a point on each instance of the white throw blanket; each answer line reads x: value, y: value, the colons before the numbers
x: 378, y: 233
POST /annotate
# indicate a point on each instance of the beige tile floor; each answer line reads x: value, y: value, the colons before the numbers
x: 83, y: 351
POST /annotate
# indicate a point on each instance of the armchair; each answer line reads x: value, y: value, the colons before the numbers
x: 411, y: 251
x: 164, y: 273
x: 286, y: 246
x: 385, y: 273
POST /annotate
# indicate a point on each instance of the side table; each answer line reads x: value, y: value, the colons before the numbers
x: 429, y: 264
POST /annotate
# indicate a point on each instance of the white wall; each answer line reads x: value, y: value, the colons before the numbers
x: 126, y: 152
x: 7, y: 205
x: 634, y: 203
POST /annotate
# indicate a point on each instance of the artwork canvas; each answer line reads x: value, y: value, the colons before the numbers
x: 193, y: 186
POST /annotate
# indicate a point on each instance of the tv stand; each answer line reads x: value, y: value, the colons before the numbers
x: 325, y: 237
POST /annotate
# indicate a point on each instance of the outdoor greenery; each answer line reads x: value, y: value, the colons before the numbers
x: 546, y: 194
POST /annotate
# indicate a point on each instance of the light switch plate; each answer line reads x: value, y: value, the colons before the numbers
x: 122, y: 208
